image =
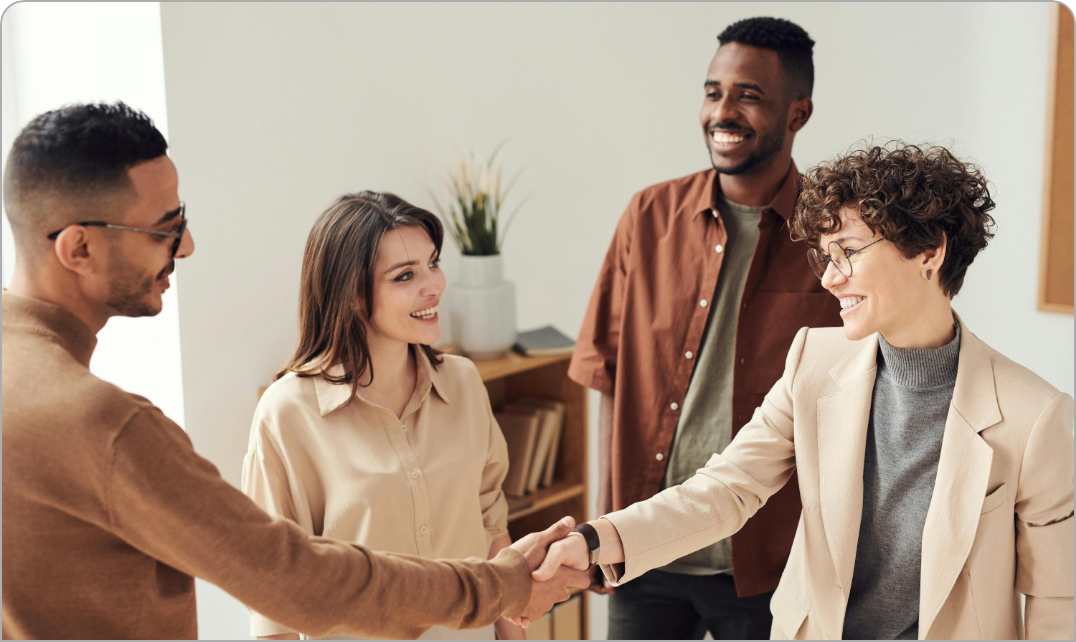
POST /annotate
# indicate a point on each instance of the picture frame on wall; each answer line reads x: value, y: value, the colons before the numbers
x: 1056, y: 263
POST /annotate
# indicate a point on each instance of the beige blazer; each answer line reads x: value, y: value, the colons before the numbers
x: 1000, y: 518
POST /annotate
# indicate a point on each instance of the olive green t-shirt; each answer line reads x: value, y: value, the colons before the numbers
x: 705, y: 425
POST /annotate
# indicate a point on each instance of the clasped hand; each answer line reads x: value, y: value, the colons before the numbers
x: 558, y: 560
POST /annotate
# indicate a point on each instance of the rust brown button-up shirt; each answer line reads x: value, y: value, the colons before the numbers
x: 649, y: 309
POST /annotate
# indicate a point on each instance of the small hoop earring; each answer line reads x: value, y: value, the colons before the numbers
x: 927, y: 274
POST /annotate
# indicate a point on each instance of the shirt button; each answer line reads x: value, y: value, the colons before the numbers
x: 688, y: 354
x: 403, y: 428
x: 741, y: 362
x: 424, y: 530
x: 674, y: 405
x: 703, y: 303
x: 414, y: 474
x: 659, y: 456
x: 718, y: 249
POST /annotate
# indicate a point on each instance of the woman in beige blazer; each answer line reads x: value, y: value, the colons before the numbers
x: 936, y: 475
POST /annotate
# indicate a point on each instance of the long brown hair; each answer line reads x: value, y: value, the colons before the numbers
x: 338, y: 272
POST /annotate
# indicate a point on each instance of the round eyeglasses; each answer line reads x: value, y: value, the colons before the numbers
x: 177, y: 235
x: 840, y: 257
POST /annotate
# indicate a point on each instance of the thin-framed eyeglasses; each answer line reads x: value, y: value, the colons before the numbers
x: 177, y: 235
x: 840, y: 257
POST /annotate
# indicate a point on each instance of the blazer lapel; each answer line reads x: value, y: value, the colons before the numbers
x: 963, y: 475
x: 842, y: 436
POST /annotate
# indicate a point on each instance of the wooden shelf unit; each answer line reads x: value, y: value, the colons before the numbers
x: 515, y: 376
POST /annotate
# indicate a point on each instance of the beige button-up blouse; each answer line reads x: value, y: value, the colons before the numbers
x: 428, y: 484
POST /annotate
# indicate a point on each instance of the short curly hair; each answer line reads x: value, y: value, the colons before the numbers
x: 915, y: 197
x: 793, y: 46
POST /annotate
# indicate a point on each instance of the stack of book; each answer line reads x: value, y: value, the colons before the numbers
x: 532, y: 429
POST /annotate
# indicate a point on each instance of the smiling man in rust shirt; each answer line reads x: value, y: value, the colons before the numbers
x: 109, y: 514
x: 696, y: 305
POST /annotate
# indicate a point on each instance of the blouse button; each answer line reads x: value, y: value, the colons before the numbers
x: 718, y: 249
x: 688, y: 354
x: 403, y: 428
x: 424, y: 530
x: 702, y: 303
x: 659, y: 456
x: 674, y: 405
x: 414, y: 474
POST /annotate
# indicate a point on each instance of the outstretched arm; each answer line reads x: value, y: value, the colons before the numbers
x: 504, y: 627
x: 710, y: 506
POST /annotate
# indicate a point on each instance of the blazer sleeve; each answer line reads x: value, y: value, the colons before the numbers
x: 717, y: 501
x: 594, y: 360
x: 1044, y: 521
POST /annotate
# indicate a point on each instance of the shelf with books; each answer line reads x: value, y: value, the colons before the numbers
x: 514, y: 380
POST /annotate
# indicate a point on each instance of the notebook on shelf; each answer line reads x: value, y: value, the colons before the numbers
x: 544, y: 342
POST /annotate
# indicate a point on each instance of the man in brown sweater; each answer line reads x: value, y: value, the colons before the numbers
x: 108, y: 513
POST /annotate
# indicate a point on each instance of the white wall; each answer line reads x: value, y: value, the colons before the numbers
x: 7, y: 133
x: 276, y: 109
x: 59, y: 53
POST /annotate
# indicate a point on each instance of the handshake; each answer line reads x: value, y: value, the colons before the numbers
x: 558, y: 560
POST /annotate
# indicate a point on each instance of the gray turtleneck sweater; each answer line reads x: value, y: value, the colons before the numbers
x: 912, y: 393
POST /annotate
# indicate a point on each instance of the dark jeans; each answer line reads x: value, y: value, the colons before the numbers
x: 671, y: 606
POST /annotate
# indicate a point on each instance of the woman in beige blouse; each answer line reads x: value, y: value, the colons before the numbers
x: 369, y: 435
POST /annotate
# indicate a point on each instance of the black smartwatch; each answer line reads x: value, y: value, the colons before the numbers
x: 593, y: 541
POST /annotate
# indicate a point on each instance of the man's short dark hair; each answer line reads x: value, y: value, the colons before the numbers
x: 77, y: 150
x: 792, y: 44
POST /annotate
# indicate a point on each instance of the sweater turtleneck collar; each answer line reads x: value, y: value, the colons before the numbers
x: 919, y: 368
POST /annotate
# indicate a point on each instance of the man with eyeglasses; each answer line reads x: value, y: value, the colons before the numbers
x: 109, y: 514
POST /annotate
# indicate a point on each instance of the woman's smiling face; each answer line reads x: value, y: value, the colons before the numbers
x: 885, y: 290
x: 408, y: 283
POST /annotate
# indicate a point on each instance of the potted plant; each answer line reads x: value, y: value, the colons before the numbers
x: 483, y: 302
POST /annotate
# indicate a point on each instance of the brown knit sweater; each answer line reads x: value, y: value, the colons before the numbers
x: 108, y: 513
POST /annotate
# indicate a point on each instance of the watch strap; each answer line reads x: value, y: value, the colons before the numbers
x: 593, y: 541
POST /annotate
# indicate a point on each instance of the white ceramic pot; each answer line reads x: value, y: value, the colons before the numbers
x: 483, y: 308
